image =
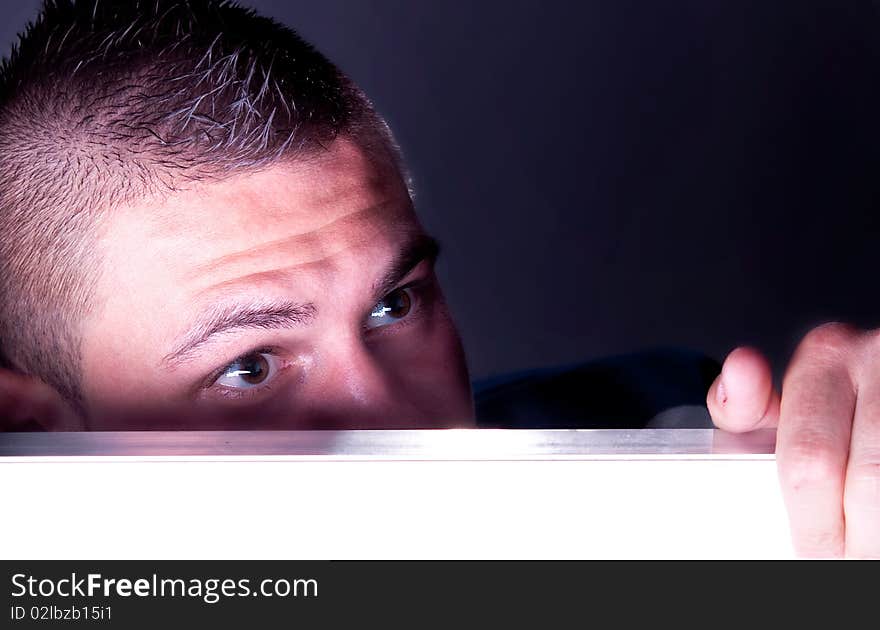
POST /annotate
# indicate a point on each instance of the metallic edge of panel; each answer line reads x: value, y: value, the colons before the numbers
x: 449, y: 444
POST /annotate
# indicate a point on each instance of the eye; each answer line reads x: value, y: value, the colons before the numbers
x: 390, y: 309
x: 249, y: 371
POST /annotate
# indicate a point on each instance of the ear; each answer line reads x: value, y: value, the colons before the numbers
x: 29, y: 404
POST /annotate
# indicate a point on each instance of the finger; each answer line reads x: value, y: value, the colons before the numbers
x: 742, y: 398
x: 812, y: 443
x: 861, y: 501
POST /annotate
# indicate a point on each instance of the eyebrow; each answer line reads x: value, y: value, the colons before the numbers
x: 261, y: 316
x: 418, y: 249
x: 284, y: 314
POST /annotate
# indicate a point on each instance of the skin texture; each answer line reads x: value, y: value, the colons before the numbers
x: 828, y: 434
x: 321, y: 234
x: 325, y: 234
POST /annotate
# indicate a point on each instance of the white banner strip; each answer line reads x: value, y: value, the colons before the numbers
x: 473, y: 500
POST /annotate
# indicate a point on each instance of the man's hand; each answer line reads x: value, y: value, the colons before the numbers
x: 828, y: 436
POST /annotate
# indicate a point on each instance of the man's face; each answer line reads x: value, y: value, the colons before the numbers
x: 299, y: 297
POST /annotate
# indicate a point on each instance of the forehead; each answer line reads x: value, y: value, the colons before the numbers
x: 299, y: 211
x: 291, y: 214
x: 164, y: 259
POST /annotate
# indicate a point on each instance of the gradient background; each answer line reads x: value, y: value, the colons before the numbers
x: 613, y: 175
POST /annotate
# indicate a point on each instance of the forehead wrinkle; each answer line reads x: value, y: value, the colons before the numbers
x: 315, y: 245
x: 280, y: 277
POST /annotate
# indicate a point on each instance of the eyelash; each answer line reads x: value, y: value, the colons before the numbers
x: 238, y: 394
x: 421, y: 292
x: 216, y: 374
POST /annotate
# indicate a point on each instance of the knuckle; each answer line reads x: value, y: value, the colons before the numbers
x: 872, y: 347
x: 809, y: 463
x: 832, y: 338
x: 863, y: 486
x: 819, y: 544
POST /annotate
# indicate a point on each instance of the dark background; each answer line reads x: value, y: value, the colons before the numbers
x: 612, y: 175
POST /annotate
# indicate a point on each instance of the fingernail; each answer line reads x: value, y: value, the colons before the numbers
x: 721, y: 393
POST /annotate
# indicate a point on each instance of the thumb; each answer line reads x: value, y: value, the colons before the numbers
x: 742, y: 398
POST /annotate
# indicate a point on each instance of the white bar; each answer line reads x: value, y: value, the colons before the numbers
x: 473, y: 497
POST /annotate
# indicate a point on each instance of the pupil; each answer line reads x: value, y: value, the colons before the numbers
x: 254, y: 369
x: 399, y: 303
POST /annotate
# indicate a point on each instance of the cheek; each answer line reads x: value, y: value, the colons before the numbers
x: 189, y: 416
x: 445, y: 344
x: 427, y: 366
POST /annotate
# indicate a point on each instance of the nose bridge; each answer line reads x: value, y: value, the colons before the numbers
x: 356, y: 384
x: 361, y: 376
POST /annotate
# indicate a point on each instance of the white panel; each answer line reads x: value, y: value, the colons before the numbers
x: 300, y: 508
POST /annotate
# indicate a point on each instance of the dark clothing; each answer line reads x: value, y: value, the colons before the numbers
x: 658, y: 388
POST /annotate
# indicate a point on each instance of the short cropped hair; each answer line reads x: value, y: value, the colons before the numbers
x: 104, y: 102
